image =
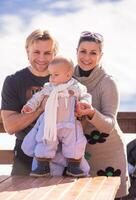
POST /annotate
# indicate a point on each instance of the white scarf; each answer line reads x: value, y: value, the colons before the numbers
x: 50, y: 117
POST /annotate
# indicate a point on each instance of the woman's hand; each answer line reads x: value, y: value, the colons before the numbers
x: 84, y: 109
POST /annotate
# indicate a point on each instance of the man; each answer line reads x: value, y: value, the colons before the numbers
x: 41, y: 48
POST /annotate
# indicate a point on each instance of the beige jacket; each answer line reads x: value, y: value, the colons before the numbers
x: 106, y: 148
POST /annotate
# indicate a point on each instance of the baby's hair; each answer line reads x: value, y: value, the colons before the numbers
x: 63, y: 60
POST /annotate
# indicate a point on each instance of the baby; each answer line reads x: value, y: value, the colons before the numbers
x: 59, y: 122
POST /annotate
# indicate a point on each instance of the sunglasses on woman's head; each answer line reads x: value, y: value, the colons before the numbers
x: 88, y: 34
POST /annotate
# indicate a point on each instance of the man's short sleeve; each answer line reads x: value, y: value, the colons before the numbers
x: 10, y: 99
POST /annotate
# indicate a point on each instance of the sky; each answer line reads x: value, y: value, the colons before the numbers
x: 66, y: 19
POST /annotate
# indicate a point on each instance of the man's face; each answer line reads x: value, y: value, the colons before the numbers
x: 40, y: 54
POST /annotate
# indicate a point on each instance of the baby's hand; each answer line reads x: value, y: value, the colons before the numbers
x: 26, y: 109
x: 84, y: 109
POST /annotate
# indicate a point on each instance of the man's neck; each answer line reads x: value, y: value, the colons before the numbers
x: 37, y: 73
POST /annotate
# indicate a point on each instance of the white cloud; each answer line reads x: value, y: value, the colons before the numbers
x: 116, y: 21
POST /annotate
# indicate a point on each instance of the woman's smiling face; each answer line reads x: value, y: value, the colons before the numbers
x: 88, y: 55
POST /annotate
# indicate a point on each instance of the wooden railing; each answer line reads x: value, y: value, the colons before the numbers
x: 97, y: 190
x: 126, y: 120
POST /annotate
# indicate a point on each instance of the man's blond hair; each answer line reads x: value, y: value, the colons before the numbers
x: 43, y: 35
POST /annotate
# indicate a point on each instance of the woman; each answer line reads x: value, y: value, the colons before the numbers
x: 106, y: 149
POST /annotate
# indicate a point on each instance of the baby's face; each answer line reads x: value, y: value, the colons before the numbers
x: 58, y: 73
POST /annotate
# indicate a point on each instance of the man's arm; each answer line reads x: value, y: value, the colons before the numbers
x: 14, y: 121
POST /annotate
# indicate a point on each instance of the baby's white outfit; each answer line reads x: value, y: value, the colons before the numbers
x: 58, y: 122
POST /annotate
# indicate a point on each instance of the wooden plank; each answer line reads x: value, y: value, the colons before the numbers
x: 12, y: 187
x: 126, y: 120
x: 92, y: 189
x: 24, y: 191
x: 57, y: 191
x: 58, y: 188
x: 109, y: 189
x: 74, y: 191
x: 6, y: 156
x: 61, y: 189
x: 3, y: 178
x: 44, y: 188
x: 99, y: 189
x: 11, y: 182
x: 127, y: 125
x: 126, y: 115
